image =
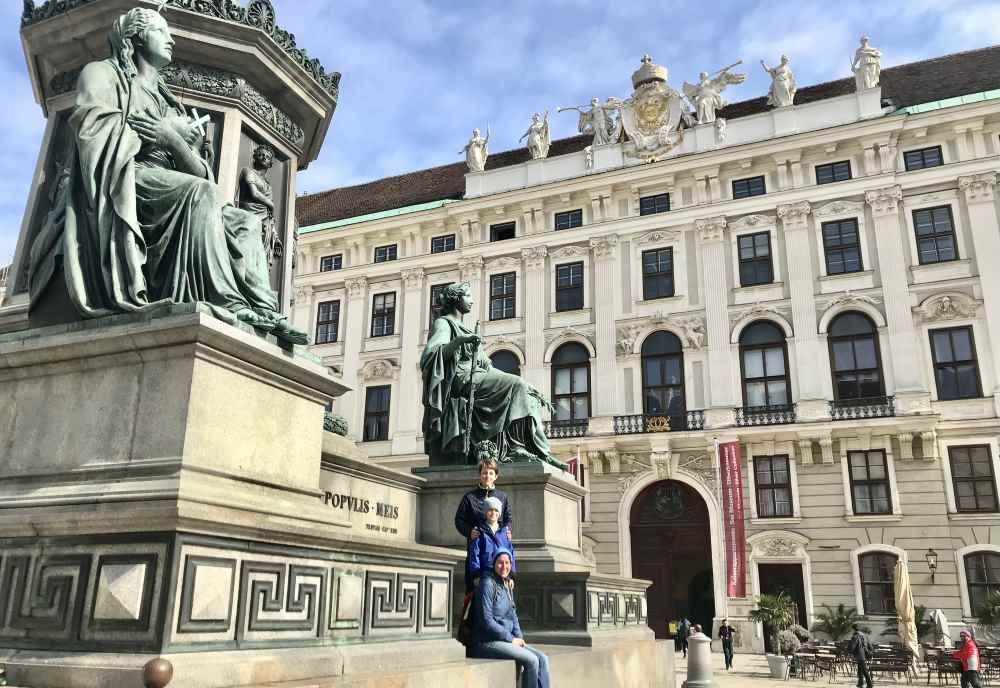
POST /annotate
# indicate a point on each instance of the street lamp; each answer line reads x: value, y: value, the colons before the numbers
x: 932, y: 560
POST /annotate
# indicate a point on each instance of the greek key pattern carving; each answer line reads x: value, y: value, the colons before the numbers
x: 280, y: 597
x: 393, y: 601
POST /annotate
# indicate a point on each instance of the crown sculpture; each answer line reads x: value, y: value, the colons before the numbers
x: 651, y: 117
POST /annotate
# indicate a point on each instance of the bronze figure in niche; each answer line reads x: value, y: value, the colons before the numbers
x: 257, y: 197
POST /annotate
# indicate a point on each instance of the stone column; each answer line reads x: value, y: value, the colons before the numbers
x: 354, y: 337
x: 795, y: 223
x: 699, y: 662
x: 470, y: 270
x: 604, y: 383
x: 720, y: 388
x: 980, y: 196
x: 535, y: 310
x: 911, y: 390
x: 404, y: 440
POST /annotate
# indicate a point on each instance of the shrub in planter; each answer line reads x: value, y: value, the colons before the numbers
x: 800, y: 632
x: 788, y: 642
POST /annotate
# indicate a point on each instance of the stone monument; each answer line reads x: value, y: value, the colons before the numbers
x: 782, y: 91
x: 476, y: 151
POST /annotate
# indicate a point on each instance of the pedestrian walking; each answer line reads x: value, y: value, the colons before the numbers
x: 726, y: 633
x: 861, y: 649
x: 968, y: 653
x: 682, y: 633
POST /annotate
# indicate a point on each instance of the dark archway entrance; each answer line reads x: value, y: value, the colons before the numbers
x: 672, y: 546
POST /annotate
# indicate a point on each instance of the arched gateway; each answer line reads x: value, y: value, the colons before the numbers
x: 671, y: 545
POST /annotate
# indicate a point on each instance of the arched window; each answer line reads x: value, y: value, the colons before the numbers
x: 571, y: 382
x: 663, y: 376
x: 854, y: 357
x: 982, y: 574
x: 506, y: 361
x: 764, y: 362
x: 877, y: 573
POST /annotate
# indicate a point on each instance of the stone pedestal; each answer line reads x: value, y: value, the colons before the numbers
x: 699, y: 668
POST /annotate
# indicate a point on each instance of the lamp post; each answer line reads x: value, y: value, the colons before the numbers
x: 932, y: 561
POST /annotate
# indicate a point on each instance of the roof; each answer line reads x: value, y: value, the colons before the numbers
x: 907, y: 85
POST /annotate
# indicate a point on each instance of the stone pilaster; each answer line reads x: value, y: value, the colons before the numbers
x: 404, y: 440
x: 470, y: 269
x: 535, y: 309
x: 606, y: 299
x: 720, y: 396
x: 354, y: 336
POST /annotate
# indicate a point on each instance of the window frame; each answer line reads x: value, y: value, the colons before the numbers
x: 573, y: 219
x: 671, y: 274
x: 773, y: 487
x: 571, y: 395
x: 841, y: 247
x: 579, y: 289
x: 833, y: 172
x: 332, y: 323
x: 512, y: 295
x: 935, y: 236
x: 935, y: 365
x: 444, y: 243
x: 943, y: 445
x: 968, y: 582
x: 503, y: 226
x: 643, y: 387
x: 891, y: 597
x: 887, y: 467
x: 504, y: 350
x: 654, y: 201
x: 765, y: 378
x: 388, y: 315
x: 741, y: 261
x: 336, y: 262
x: 922, y: 151
x: 968, y: 611
x: 749, y: 190
x: 991, y: 479
x: 387, y: 249
x: 432, y: 307
x: 831, y: 339
x: 385, y: 415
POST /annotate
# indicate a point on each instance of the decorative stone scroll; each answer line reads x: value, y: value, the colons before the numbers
x: 979, y: 187
x: 884, y: 201
x: 711, y: 229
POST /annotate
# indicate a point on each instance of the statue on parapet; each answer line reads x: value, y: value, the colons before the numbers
x: 476, y: 151
x: 706, y: 95
x: 866, y: 65
x: 141, y: 223
x: 257, y: 197
x: 782, y: 91
x: 599, y: 121
x: 538, y: 136
x: 467, y: 401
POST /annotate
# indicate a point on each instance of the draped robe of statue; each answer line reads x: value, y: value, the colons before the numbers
x: 505, y: 410
x: 131, y: 231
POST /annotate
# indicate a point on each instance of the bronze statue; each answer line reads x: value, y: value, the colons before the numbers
x: 257, y: 197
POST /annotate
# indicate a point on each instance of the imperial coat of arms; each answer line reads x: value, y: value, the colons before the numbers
x: 652, y: 116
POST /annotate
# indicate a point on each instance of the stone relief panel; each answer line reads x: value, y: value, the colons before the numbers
x: 949, y: 306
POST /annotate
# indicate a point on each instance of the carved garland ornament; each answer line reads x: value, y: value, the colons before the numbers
x: 776, y: 547
x: 950, y: 306
x: 839, y: 208
x: 380, y: 369
x: 751, y: 221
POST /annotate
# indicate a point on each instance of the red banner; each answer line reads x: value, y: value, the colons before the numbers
x: 732, y: 519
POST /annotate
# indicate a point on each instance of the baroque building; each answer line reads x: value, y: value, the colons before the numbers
x: 810, y: 281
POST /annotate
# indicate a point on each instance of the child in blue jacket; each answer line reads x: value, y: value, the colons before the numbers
x: 483, y: 549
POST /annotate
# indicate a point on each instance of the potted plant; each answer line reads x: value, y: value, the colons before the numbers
x: 775, y: 613
x: 837, y: 623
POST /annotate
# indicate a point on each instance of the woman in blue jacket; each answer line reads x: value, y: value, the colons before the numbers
x: 496, y: 633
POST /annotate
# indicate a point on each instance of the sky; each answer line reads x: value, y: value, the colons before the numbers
x: 419, y: 75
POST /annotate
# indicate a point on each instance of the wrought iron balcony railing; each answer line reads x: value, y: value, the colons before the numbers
x: 866, y: 407
x: 649, y: 422
x: 560, y: 429
x: 764, y: 415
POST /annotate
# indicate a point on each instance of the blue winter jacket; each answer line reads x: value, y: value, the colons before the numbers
x: 493, y: 614
x: 483, y: 550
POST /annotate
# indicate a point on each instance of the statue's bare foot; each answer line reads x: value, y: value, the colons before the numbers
x: 283, y: 330
x: 251, y: 318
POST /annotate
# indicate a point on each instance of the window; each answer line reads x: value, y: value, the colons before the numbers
x: 571, y: 383
x: 765, y: 365
x: 869, y: 475
x: 854, y: 357
x: 383, y: 314
x: 923, y: 157
x: 877, y: 572
x: 833, y: 172
x: 506, y: 361
x: 773, y: 484
x: 842, y: 247
x: 972, y: 478
x: 569, y: 287
x: 440, y: 244
x: 663, y: 378
x: 569, y: 219
x: 755, y: 259
x: 385, y: 253
x: 935, y: 235
x: 955, y: 368
x: 502, y: 231
x: 377, y: 413
x: 435, y: 307
x: 657, y: 273
x: 982, y: 574
x: 651, y: 205
x: 334, y: 262
x: 502, y: 296
x: 327, y: 322
x: 744, y: 188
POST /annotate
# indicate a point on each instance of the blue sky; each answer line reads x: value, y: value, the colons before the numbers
x: 418, y: 76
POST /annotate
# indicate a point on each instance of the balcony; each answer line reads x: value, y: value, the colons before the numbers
x: 859, y: 409
x: 563, y: 429
x: 747, y: 416
x: 642, y: 422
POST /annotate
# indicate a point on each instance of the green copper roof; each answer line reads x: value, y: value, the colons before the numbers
x: 405, y: 210
x: 950, y: 102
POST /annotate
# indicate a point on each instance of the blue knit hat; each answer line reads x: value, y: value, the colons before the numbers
x: 498, y: 552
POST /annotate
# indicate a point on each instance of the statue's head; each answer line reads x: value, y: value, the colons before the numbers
x: 864, y: 41
x: 784, y: 59
x: 536, y: 117
x: 143, y: 32
x: 263, y: 155
x: 703, y: 76
x: 475, y: 133
x: 595, y: 101
x: 456, y: 296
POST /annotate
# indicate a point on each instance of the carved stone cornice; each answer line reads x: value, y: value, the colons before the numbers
x: 761, y: 310
x: 752, y: 222
x: 659, y: 236
x: 845, y: 298
x: 979, y: 188
x: 503, y: 263
x: 356, y: 287
x: 834, y: 208
x: 470, y: 268
x: 413, y: 278
x: 586, y: 332
x: 534, y: 256
x: 571, y: 251
x: 711, y: 228
x: 794, y: 214
x: 950, y: 306
x: 885, y: 201
x: 776, y: 546
x: 380, y: 369
x: 605, y: 247
x: 690, y: 329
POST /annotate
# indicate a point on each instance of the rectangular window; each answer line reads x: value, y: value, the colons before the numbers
x: 657, y: 273
x: 440, y: 244
x: 569, y: 219
x: 651, y: 205
x: 569, y: 287
x: 502, y: 231
x: 935, y: 235
x: 922, y: 158
x: 435, y: 308
x: 385, y: 253
x: 502, y: 295
x: 377, y: 413
x: 334, y: 262
x: 755, y: 259
x: 753, y: 186
x: 327, y: 322
x: 956, y: 370
x: 383, y: 314
x: 842, y: 246
x: 973, y: 480
x: 773, y: 484
x: 869, y: 474
x: 833, y: 172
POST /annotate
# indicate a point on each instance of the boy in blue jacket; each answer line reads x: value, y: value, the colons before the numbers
x: 494, y: 537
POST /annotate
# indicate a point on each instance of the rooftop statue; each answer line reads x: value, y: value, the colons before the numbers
x: 866, y: 65
x: 599, y: 120
x: 476, y: 151
x: 538, y: 136
x: 257, y: 197
x: 467, y: 401
x: 706, y: 95
x: 140, y: 222
x: 783, y: 88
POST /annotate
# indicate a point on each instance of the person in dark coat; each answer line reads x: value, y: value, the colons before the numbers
x: 483, y: 549
x: 471, y: 513
x: 683, y: 630
x: 861, y: 649
x: 496, y: 632
x: 726, y: 633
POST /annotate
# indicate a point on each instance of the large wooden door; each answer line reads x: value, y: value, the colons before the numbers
x: 787, y: 578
